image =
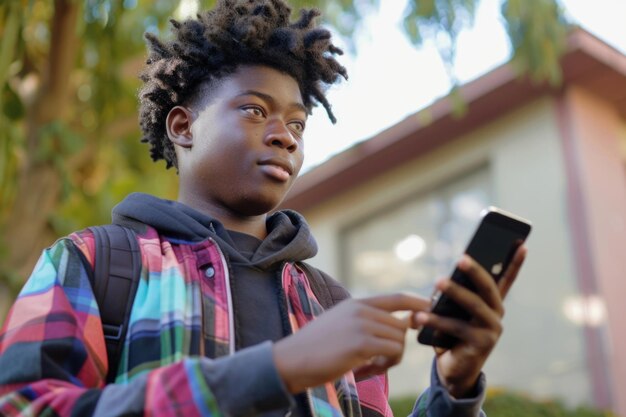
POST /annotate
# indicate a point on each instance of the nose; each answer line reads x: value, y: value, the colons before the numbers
x: 277, y: 134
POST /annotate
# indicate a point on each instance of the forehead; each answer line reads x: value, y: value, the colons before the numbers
x: 280, y: 86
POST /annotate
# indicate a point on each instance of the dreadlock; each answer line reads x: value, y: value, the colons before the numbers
x: 234, y: 33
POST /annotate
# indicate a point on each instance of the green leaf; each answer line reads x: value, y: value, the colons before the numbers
x: 12, y: 107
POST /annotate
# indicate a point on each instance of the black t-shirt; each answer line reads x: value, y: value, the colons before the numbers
x: 255, y: 297
x: 256, y: 304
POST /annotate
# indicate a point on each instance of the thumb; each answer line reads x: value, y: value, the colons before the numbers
x: 504, y: 285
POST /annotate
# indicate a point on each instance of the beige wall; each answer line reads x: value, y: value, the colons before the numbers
x: 524, y: 155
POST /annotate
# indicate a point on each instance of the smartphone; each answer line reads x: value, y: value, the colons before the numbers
x: 498, y: 236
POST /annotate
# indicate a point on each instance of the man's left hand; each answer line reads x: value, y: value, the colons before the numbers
x: 459, y: 367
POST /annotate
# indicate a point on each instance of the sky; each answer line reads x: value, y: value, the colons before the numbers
x: 371, y: 101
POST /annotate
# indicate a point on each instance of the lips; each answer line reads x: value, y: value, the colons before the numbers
x: 278, y: 168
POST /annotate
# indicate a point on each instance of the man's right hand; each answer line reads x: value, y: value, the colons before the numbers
x: 361, y: 335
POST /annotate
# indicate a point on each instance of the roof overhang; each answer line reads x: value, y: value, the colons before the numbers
x: 587, y: 62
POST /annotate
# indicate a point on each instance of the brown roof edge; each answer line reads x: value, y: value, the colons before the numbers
x: 487, y: 97
x: 580, y: 39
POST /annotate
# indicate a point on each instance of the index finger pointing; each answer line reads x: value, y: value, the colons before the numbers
x: 398, y: 302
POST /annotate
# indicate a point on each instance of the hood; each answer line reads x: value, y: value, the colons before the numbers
x: 288, y: 239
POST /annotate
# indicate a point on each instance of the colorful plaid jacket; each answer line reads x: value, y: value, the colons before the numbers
x: 53, y: 358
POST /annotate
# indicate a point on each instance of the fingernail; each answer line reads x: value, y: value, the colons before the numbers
x: 465, y: 262
x: 379, y: 361
x: 421, y: 317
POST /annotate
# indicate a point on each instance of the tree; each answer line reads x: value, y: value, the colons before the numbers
x: 68, y: 81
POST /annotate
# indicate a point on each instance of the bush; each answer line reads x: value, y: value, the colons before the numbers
x: 500, y: 403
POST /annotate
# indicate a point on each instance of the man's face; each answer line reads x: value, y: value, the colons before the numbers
x: 246, y: 143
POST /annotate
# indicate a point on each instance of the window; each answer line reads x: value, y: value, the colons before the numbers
x: 415, y: 242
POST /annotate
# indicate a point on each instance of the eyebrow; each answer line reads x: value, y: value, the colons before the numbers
x: 271, y: 99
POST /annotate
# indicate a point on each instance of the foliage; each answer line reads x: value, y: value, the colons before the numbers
x: 536, y: 28
x: 502, y: 403
x: 509, y: 404
x: 537, y: 31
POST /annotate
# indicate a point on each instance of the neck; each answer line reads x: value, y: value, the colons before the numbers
x: 251, y: 225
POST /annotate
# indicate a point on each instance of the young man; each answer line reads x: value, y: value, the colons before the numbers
x: 224, y: 321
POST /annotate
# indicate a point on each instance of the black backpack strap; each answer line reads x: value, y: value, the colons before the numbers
x: 117, y: 267
x: 327, y: 290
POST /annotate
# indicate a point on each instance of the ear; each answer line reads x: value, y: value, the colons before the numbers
x: 178, y: 124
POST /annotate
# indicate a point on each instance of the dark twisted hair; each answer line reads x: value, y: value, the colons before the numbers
x: 234, y: 33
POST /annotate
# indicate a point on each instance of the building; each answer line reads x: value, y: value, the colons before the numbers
x: 395, y: 212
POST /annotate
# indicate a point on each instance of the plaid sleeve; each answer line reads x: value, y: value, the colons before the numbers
x: 373, y: 396
x: 433, y: 402
x: 53, y: 357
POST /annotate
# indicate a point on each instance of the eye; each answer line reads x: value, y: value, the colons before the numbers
x: 297, y: 126
x: 255, y: 111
